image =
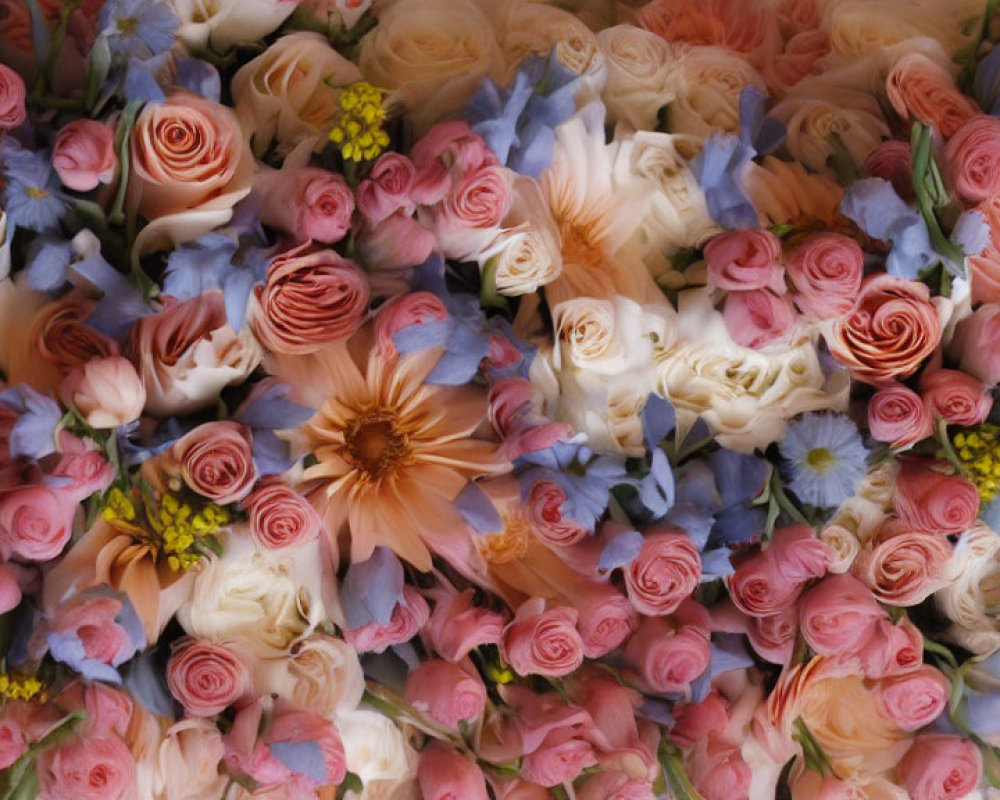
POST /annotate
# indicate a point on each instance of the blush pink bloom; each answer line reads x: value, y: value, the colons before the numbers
x: 83, y: 465
x: 758, y: 318
x: 106, y: 392
x: 514, y: 413
x: 955, y: 396
x: 93, y: 620
x: 386, y: 190
x: 606, y: 617
x: 13, y: 742
x: 972, y: 157
x: 414, y: 308
x: 915, y: 699
x: 408, y: 617
x: 927, y: 500
x: 207, y: 678
x: 35, y: 522
x: 293, y: 726
x: 918, y: 86
x: 893, y: 649
x: 838, y: 615
x: 798, y: 554
x: 666, y: 658
x: 456, y: 626
x: 309, y: 300
x: 445, y: 774
x: 664, y: 573
x: 902, y: 566
x: 898, y: 416
x: 390, y: 249
x: 543, y: 641
x: 216, y: 461
x: 472, y: 211
x: 695, y: 721
x: 718, y: 771
x: 560, y: 759
x: 84, y: 154
x: 87, y: 768
x: 281, y: 517
x: 891, y: 161
x: 12, y: 97
x: 109, y: 711
x: 773, y: 637
x: 743, y: 260
x: 977, y: 340
x: 826, y: 270
x: 445, y: 692
x: 545, y: 503
x: 941, y: 767
x: 447, y: 150
x: 614, y: 785
x: 308, y: 203
x: 10, y: 591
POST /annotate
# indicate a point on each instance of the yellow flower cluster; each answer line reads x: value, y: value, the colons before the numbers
x: 979, y: 451
x: 359, y: 132
x: 19, y: 687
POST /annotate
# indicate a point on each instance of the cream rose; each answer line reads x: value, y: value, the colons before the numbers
x: 187, y: 761
x: 377, y: 752
x: 268, y: 599
x: 971, y: 599
x: 320, y: 673
x: 220, y: 24
x: 639, y: 65
x: 290, y: 91
x: 843, y: 544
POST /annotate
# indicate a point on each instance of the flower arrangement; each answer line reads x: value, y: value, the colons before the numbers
x: 499, y: 400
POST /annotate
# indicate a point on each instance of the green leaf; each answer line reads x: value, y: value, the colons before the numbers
x: 489, y: 297
x: 351, y: 783
x: 840, y: 159
x: 940, y: 650
x: 677, y: 780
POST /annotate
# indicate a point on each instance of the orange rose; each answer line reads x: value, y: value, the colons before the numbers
x: 918, y: 86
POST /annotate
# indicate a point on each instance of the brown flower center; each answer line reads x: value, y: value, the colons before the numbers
x: 374, y: 445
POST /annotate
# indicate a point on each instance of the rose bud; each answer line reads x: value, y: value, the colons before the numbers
x: 106, y: 392
x: 445, y: 692
x: 84, y: 154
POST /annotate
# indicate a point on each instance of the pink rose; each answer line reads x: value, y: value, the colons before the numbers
x: 280, y: 517
x: 941, y: 767
x: 414, y: 308
x: 446, y: 150
x: 84, y: 466
x: 903, y: 567
x: 927, y: 500
x: 35, y: 522
x: 540, y: 641
x: 445, y: 774
x: 891, y: 161
x: 294, y: 726
x: 84, y: 154
x: 664, y: 573
x: 390, y: 249
x: 797, y: 554
x: 106, y: 392
x: 445, y: 692
x: 915, y: 699
x: 892, y: 649
x: 10, y: 592
x: 13, y: 742
x: 668, y: 659
x: 695, y: 721
x: 408, y: 617
x: 515, y: 413
x: 742, y: 260
x: 773, y: 637
x: 545, y: 502
x: 614, y: 785
x: 955, y: 396
x: 826, y: 270
x: 606, y: 618
x: 920, y: 87
x: 207, y: 678
x: 977, y: 342
x: 560, y: 759
x: 87, y: 768
x: 309, y: 300
x: 386, y: 190
x: 972, y: 157
x: 758, y: 318
x: 94, y: 624
x: 12, y: 97
x: 216, y: 461
x: 838, y: 615
x: 718, y: 771
x: 472, y: 210
x: 109, y: 711
x: 307, y: 203
x: 457, y: 626
x: 897, y: 415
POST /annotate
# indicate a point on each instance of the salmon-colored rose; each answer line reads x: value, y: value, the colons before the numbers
x: 207, y: 678
x: 62, y: 340
x: 897, y: 415
x: 891, y: 161
x: 542, y: 641
x: 664, y: 573
x: 281, y: 517
x: 826, y: 269
x: 216, y: 461
x: 972, y: 157
x: 758, y: 318
x: 838, y: 615
x: 305, y: 202
x: 12, y: 97
x: 955, y: 396
x: 927, y: 500
x: 742, y: 260
x: 446, y: 692
x: 919, y: 87
x: 903, y: 567
x: 309, y: 300
x: 88, y: 768
x: 668, y: 659
x: 941, y: 767
x: 915, y: 699
x: 892, y: 328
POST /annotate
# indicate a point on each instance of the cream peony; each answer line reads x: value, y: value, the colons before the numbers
x: 377, y: 752
x: 639, y: 64
x: 221, y: 24
x: 321, y: 673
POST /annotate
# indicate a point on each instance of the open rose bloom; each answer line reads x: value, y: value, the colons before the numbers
x: 499, y: 400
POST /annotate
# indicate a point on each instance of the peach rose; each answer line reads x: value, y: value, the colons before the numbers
x: 826, y: 270
x: 12, y: 98
x: 106, y: 392
x: 903, y: 567
x: 927, y: 500
x: 445, y: 692
x: 971, y: 156
x: 892, y: 328
x: 309, y: 300
x: 281, y: 517
x: 216, y: 461
x: 668, y: 659
x: 306, y: 203
x: 187, y: 761
x: 897, y: 415
x: 207, y: 678
x: 918, y: 86
x: 915, y: 699
x: 941, y: 767
x: 541, y: 641
x: 955, y: 396
x: 190, y: 165
x: 84, y: 154
x: 758, y: 318
x: 61, y: 337
x: 741, y: 260
x: 664, y: 573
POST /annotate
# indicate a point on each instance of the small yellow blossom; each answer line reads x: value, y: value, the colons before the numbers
x: 19, y: 687
x: 978, y: 449
x: 358, y: 132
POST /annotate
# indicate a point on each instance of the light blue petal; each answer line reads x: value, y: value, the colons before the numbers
x: 145, y: 680
x: 303, y: 758
x: 371, y: 589
x: 47, y: 261
x: 621, y: 550
x: 477, y: 509
x: 658, y: 420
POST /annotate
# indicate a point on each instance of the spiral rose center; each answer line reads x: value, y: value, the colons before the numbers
x: 374, y: 445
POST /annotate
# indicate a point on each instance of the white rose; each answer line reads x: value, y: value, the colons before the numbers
x: 639, y: 65
x: 187, y: 762
x: 268, y: 599
x: 220, y: 24
x: 972, y: 597
x: 707, y: 85
x: 377, y: 752
x: 320, y: 673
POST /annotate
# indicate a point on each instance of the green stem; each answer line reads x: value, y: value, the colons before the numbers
x: 784, y: 503
x: 48, y: 69
x: 123, y: 135
x: 941, y: 433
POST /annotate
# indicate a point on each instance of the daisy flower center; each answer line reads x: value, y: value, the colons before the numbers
x: 374, y: 444
x: 820, y: 459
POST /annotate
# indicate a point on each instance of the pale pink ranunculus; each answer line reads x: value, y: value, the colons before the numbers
x: 606, y: 617
x: 216, y: 461
x: 892, y: 649
x: 456, y: 625
x: 773, y: 637
x: 664, y: 573
x: 12, y: 99
x: 898, y: 416
x: 543, y: 641
x: 668, y: 659
x: 918, y: 86
x: 955, y: 396
x: 826, y: 270
x: 545, y: 502
x: 941, y: 767
x: 563, y: 755
x: 386, y: 190
x: 413, y: 308
x: 758, y: 317
x: 447, y: 150
x: 10, y: 591
x: 977, y: 343
x: 87, y: 768
x: 106, y: 392
x: 82, y: 464
x: 445, y: 692
x: 972, y: 158
x: 743, y: 260
x: 307, y: 203
x: 84, y: 154
x: 891, y: 161
x: 36, y: 522
x: 903, y: 566
x: 445, y: 774
x: 838, y: 615
x: 470, y: 214
x: 93, y: 620
x: 914, y: 699
x: 718, y: 771
x: 310, y: 298
x: 207, y: 678
x: 281, y: 517
x: 695, y: 721
x: 928, y: 500
x: 408, y: 617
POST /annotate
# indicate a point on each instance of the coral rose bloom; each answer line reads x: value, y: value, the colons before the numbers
x: 392, y: 452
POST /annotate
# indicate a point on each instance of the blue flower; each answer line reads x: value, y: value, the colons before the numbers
x: 986, y: 84
x: 137, y: 28
x: 826, y: 458
x: 31, y: 197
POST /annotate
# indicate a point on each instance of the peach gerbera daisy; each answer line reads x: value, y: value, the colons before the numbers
x: 391, y: 451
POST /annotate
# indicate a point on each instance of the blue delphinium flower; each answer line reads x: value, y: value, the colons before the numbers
x: 31, y: 196
x: 137, y: 28
x: 826, y: 458
x: 986, y: 84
